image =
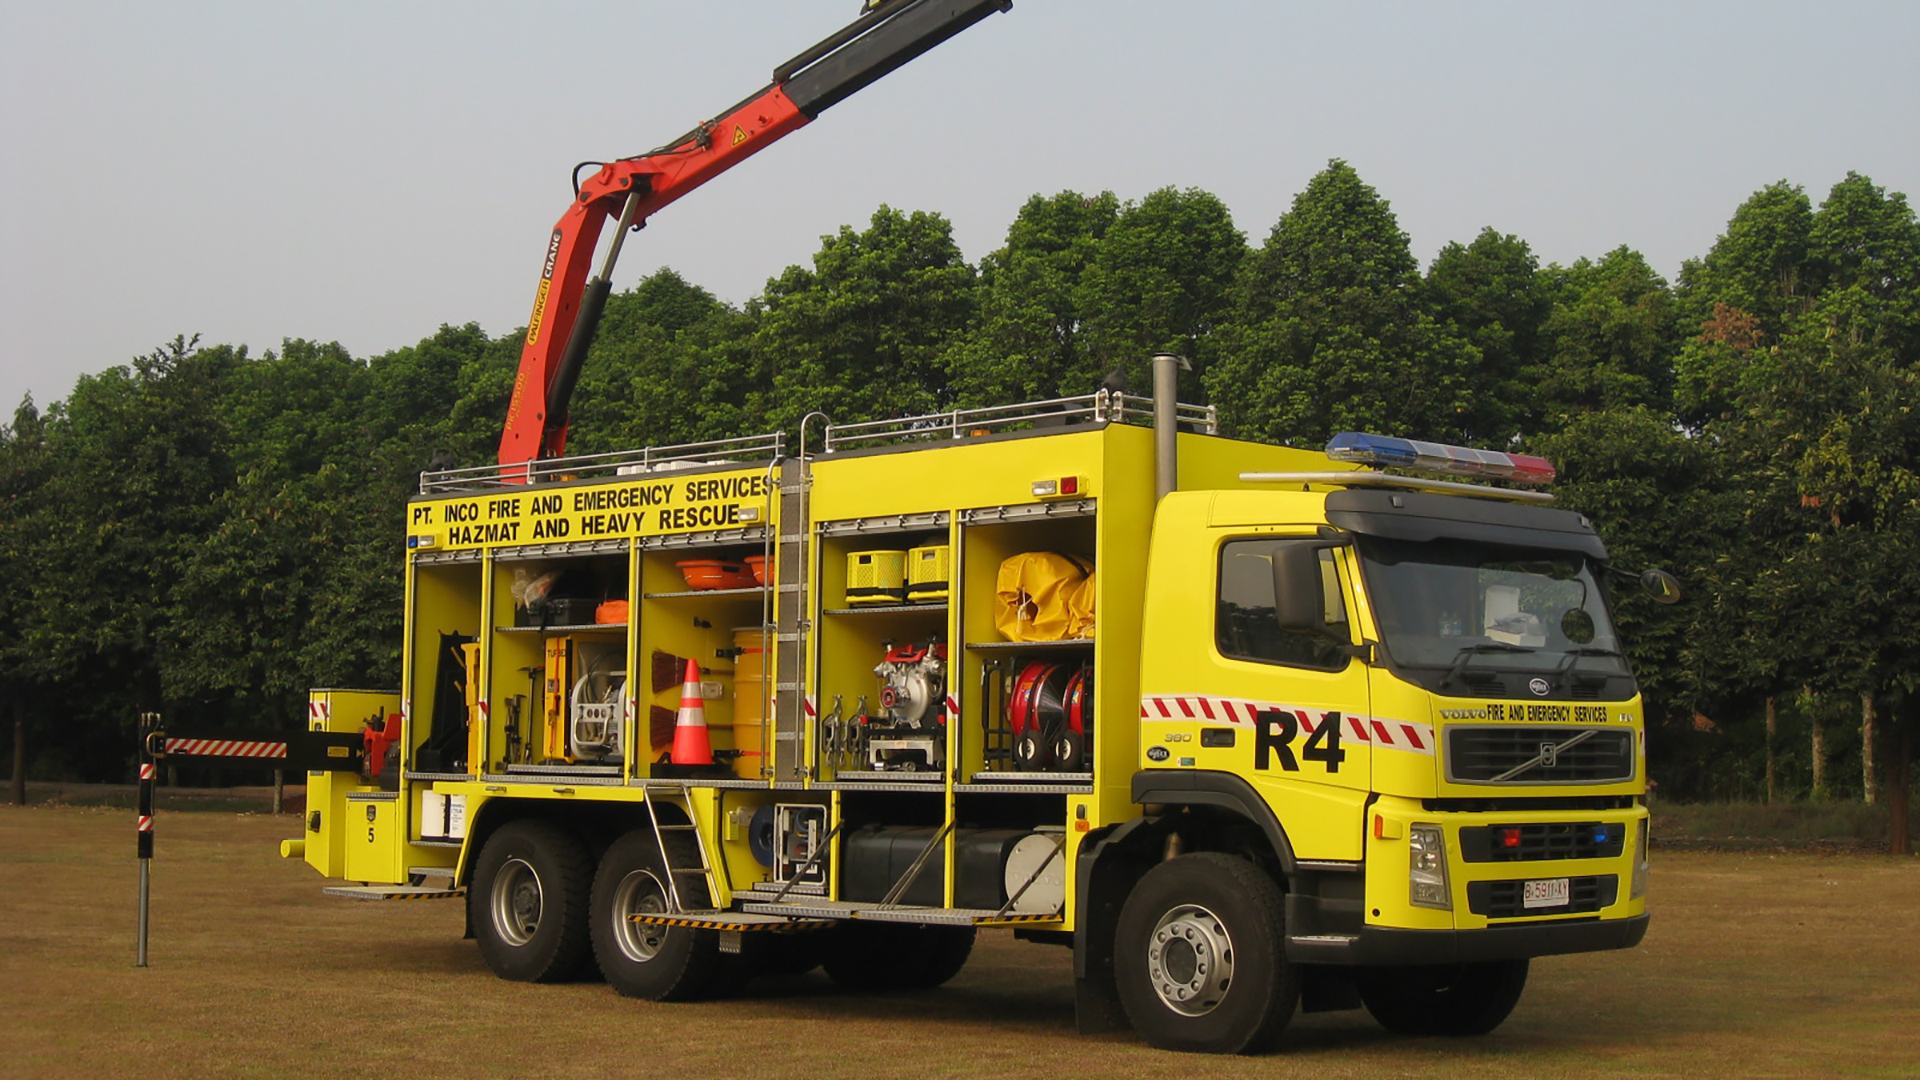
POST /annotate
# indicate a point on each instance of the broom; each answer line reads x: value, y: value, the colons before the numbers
x: 660, y: 724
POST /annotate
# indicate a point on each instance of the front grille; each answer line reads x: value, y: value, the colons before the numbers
x: 1539, y: 754
x: 1531, y: 843
x: 1504, y: 899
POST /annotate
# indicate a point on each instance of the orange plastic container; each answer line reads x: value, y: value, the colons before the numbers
x: 758, y: 564
x: 715, y: 574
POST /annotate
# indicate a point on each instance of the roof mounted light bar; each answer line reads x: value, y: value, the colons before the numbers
x: 1359, y: 478
x: 1383, y: 451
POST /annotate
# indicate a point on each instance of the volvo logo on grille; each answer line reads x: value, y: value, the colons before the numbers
x: 1539, y: 686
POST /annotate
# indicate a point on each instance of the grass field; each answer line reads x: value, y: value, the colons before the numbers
x: 1758, y: 965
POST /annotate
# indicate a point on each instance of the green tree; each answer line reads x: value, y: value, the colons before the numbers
x: 1025, y: 342
x: 1330, y: 331
x: 1491, y: 293
x: 1742, y: 297
x: 1608, y: 343
x: 1160, y: 280
x: 860, y: 334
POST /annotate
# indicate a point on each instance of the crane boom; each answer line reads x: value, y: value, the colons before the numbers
x: 568, y: 305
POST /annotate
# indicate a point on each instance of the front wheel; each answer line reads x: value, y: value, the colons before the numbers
x: 1444, y: 999
x: 1200, y: 956
x: 528, y: 902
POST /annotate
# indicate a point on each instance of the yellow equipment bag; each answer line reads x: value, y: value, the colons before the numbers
x: 1044, y: 596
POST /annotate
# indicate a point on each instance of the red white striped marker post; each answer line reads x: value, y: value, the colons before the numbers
x: 149, y: 726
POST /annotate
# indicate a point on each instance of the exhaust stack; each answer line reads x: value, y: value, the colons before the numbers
x: 1166, y: 397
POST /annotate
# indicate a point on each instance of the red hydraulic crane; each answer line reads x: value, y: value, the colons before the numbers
x: 567, y: 307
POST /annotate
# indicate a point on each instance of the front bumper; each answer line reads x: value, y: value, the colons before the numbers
x: 1379, y: 946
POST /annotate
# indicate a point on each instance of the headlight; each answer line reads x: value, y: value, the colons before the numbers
x: 1427, y: 867
x: 1639, y: 888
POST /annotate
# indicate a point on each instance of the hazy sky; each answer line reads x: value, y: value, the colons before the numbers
x: 364, y: 172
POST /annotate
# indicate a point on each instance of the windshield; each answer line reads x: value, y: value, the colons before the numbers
x: 1467, y: 609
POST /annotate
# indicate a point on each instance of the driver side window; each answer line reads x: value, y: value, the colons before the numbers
x: 1245, y: 624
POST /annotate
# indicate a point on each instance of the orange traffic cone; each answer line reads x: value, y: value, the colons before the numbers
x: 690, y: 743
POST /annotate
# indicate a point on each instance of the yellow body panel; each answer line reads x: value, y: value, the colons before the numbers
x: 376, y: 846
x: 1343, y: 758
x: 346, y: 712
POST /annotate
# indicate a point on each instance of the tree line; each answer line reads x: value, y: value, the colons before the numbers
x: 211, y: 532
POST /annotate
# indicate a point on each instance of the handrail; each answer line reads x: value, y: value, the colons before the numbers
x: 1104, y: 406
x: 752, y: 448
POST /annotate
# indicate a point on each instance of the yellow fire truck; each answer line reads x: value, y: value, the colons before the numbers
x: 1251, y: 729
x: 1294, y: 732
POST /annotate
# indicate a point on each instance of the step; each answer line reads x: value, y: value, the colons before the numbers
x: 733, y: 920
x: 391, y: 892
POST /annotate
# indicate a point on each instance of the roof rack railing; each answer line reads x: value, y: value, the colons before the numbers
x: 619, y: 463
x: 1105, y: 406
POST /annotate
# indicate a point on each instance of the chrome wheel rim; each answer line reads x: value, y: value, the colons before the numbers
x: 1190, y: 960
x: 639, y: 893
x: 517, y: 902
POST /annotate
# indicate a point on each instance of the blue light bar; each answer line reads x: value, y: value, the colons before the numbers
x: 1382, y: 451
x: 1371, y: 449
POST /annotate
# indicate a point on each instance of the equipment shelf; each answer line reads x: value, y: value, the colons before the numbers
x: 751, y: 590
x: 888, y: 609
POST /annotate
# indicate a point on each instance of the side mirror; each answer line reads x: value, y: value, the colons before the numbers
x: 1661, y: 586
x: 1299, y: 589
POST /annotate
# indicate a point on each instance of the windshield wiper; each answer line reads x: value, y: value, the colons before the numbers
x: 1573, y: 658
x: 1468, y: 652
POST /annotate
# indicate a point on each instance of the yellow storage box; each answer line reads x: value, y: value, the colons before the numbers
x: 928, y: 573
x: 876, y: 577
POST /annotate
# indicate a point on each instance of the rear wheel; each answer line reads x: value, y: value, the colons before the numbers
x: 895, y: 956
x: 1444, y: 999
x: 649, y: 960
x: 1200, y: 956
x: 528, y: 902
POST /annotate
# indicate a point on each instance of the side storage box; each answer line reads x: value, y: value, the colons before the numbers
x: 375, y: 842
x: 876, y: 577
x: 327, y: 818
x: 928, y: 573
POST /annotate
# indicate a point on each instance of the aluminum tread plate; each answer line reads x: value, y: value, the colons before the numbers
x: 843, y: 909
x: 391, y: 892
x: 734, y: 920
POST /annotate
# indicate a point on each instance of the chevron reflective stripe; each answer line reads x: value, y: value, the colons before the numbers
x: 1383, y: 732
x: 239, y: 748
x: 146, y: 770
x: 807, y: 704
x: 145, y: 823
x: 953, y: 709
x: 317, y: 710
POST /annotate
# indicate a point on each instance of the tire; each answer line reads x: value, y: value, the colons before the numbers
x: 784, y: 956
x: 528, y: 902
x: 658, y: 963
x: 879, y: 956
x: 1200, y: 956
x: 1445, y: 999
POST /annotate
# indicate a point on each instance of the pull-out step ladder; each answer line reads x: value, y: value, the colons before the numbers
x: 655, y: 798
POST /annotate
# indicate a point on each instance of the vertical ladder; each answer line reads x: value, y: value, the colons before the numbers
x: 648, y: 796
x: 787, y: 755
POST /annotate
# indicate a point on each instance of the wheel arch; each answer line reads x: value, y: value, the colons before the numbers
x: 1209, y: 810
x: 598, y: 824
x: 1226, y: 802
